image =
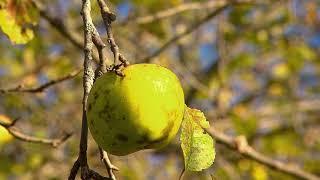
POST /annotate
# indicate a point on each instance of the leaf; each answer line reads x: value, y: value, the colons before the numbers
x: 197, y: 145
x: 4, y: 134
x: 16, y: 18
x: 16, y: 33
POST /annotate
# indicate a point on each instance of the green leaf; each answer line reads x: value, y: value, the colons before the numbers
x: 197, y: 145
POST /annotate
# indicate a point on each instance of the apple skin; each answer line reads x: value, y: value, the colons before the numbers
x: 142, y: 110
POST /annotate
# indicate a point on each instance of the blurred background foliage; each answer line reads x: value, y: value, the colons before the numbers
x: 254, y: 70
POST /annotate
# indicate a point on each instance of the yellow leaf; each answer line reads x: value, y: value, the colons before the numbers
x: 17, y: 34
x: 5, y: 136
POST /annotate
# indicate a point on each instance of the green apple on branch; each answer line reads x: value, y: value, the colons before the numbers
x: 144, y: 110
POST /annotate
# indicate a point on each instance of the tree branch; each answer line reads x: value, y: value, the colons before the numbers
x: 42, y: 87
x: 92, y: 37
x: 27, y: 138
x: 88, y: 79
x: 178, y: 9
x: 240, y: 145
x: 175, y: 10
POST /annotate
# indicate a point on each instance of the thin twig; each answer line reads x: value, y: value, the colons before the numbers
x: 42, y: 87
x: 190, y: 78
x: 27, y: 138
x: 102, y: 68
x: 109, y: 166
x: 186, y: 32
x: 74, y: 170
x: 240, y: 145
x: 163, y: 14
x: 108, y: 17
x: 60, y: 26
x: 75, y: 39
x: 182, y: 173
x: 174, y: 10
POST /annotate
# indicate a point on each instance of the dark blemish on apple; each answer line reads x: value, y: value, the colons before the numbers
x: 106, y: 106
x: 107, y: 91
x: 108, y: 116
x: 105, y: 117
x: 122, y: 137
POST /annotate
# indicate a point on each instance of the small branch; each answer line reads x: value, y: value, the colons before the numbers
x: 27, y: 138
x: 186, y: 32
x: 182, y: 173
x: 108, y: 17
x: 40, y: 88
x: 102, y: 68
x: 110, y: 167
x: 189, y: 77
x: 60, y: 26
x: 175, y: 10
x: 53, y: 142
x: 240, y: 145
x: 74, y: 170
